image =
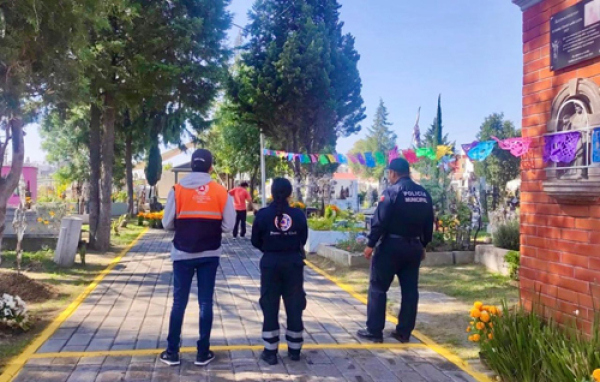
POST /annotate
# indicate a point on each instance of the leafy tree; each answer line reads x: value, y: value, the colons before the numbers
x: 298, y: 79
x: 36, y: 65
x: 379, y: 138
x: 65, y: 137
x: 501, y: 166
x: 154, y: 57
x: 236, y: 145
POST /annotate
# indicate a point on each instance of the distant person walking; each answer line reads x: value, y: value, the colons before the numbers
x: 280, y: 233
x: 199, y: 210
x: 241, y: 196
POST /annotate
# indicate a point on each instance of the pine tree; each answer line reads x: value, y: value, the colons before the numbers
x: 298, y: 80
x: 435, y: 133
x: 379, y: 138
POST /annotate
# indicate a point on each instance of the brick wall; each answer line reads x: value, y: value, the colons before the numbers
x: 560, y: 244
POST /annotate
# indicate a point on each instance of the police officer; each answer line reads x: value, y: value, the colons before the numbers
x: 280, y: 232
x: 401, y: 228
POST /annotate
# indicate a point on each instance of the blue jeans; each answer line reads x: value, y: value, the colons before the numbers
x: 183, y: 273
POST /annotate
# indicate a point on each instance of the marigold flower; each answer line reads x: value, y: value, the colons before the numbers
x: 51, y: 213
x: 480, y: 326
x: 490, y: 336
x: 485, y: 316
x: 475, y: 313
x: 472, y: 323
x: 596, y: 375
x: 476, y: 337
x: 493, y: 310
x: 478, y: 305
x: 471, y: 338
x: 468, y: 329
x: 46, y: 222
x: 40, y: 220
x: 491, y: 324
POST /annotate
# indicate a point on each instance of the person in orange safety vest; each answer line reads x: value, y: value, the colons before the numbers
x: 199, y: 210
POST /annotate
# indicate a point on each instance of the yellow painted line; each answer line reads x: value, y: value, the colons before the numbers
x: 146, y: 352
x: 431, y: 344
x: 17, y: 364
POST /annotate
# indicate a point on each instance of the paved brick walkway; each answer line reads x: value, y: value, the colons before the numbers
x: 128, y: 312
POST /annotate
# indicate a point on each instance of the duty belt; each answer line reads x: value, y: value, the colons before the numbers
x: 393, y: 236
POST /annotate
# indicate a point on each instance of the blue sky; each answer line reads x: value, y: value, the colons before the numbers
x: 469, y: 51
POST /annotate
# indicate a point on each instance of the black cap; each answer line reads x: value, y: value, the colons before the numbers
x: 202, y: 160
x: 399, y: 165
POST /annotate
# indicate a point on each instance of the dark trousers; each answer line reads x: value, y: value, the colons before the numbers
x: 282, y: 276
x: 205, y: 270
x: 394, y: 257
x: 240, y: 221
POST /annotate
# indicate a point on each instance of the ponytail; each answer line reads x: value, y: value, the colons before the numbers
x: 280, y: 204
x: 281, y: 190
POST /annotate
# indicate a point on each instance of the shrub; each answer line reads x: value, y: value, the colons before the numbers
x: 320, y: 224
x: 353, y: 244
x: 525, y: 348
x: 513, y: 351
x: 507, y: 236
x: 513, y: 259
x: 437, y: 241
x: 120, y: 197
x: 13, y: 312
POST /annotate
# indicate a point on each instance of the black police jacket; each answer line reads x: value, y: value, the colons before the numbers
x: 405, y: 209
x: 290, y: 239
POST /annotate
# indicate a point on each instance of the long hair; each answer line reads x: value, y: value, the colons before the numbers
x: 281, y: 189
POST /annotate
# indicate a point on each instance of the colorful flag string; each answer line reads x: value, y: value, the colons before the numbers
x: 558, y: 147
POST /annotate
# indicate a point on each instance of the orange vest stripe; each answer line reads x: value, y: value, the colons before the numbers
x: 204, y: 202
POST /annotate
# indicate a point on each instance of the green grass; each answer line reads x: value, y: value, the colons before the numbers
x: 469, y: 283
x: 127, y: 235
x: 250, y: 219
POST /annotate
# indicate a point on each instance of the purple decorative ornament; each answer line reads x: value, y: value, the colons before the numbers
x: 468, y: 146
x: 561, y: 148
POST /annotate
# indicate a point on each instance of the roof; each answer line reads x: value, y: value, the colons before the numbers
x: 186, y: 167
x: 344, y: 176
x: 167, y: 155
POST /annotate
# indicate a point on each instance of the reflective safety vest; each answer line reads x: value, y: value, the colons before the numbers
x: 198, y: 217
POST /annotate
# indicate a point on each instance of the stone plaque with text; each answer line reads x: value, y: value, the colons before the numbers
x: 575, y: 34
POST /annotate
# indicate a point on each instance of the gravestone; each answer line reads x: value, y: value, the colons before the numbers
x: 68, y: 239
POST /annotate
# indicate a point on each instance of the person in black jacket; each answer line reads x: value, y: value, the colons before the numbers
x: 400, y: 229
x: 280, y: 232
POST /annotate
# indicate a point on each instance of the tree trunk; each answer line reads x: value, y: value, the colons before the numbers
x: 94, y: 209
x: 253, y: 181
x: 106, y: 181
x: 129, y: 171
x: 10, y: 182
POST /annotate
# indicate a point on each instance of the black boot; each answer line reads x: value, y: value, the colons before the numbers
x: 400, y: 337
x: 364, y: 333
x: 294, y: 355
x: 269, y: 357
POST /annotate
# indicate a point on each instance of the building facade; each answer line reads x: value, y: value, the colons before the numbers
x: 560, y: 188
